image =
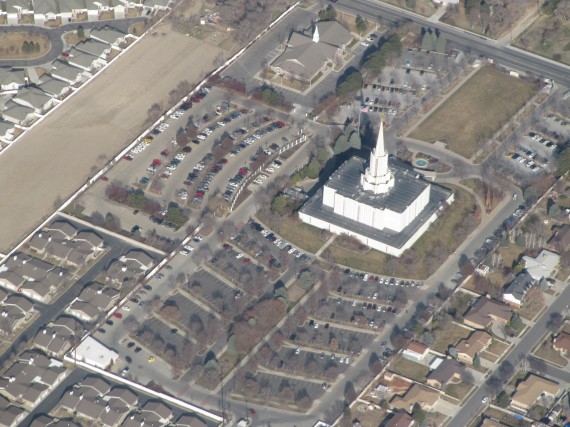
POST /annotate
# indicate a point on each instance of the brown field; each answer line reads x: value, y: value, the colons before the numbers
x: 49, y: 163
x: 11, y: 45
x: 476, y: 111
x: 425, y: 8
x: 547, y: 36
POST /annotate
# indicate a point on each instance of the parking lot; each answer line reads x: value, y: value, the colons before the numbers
x: 219, y: 295
x: 334, y: 338
x: 202, y: 326
x: 367, y: 315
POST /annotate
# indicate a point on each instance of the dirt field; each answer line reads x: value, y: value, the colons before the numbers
x: 548, y: 36
x: 52, y: 161
x: 424, y: 8
x: 476, y: 111
x: 11, y: 45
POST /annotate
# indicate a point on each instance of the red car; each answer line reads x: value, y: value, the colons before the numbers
x: 223, y: 160
x: 165, y: 153
x: 280, y: 124
x: 156, y: 162
x: 244, y: 171
x: 104, y: 178
x: 128, y: 157
x: 118, y: 315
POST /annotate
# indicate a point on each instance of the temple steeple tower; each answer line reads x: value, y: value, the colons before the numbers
x: 377, y: 177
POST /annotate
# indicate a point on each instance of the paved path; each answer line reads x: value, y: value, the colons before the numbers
x: 55, y: 37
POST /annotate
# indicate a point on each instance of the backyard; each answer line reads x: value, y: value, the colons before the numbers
x: 546, y: 352
x: 448, y: 334
x: 421, y: 260
x: 409, y: 369
x: 548, y: 36
x: 472, y: 115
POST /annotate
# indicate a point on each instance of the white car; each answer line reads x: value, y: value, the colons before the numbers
x: 365, y: 44
x: 240, y: 255
x: 126, y: 308
x: 185, y: 253
x: 189, y: 248
x: 484, y: 400
x: 270, y: 169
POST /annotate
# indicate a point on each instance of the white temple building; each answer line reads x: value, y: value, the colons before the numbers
x: 387, y: 206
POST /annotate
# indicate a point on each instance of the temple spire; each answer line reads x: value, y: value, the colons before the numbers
x: 377, y: 177
x: 316, y: 34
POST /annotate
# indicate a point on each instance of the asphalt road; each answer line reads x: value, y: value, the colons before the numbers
x: 55, y: 37
x: 534, y: 336
x: 506, y: 56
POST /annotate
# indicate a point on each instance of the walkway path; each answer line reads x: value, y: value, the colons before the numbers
x: 522, y: 25
x: 326, y: 245
x: 438, y: 14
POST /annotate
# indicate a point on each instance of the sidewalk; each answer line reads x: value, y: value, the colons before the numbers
x: 438, y: 14
x: 523, y: 24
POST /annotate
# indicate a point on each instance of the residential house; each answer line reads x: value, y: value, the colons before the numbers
x: 449, y: 371
x: 14, y: 311
x: 129, y: 267
x: 424, y: 396
x: 64, y: 71
x: 57, y: 337
x: 468, y: 348
x: 45, y: 11
x: 95, y: 7
x: 90, y: 239
x: 192, y: 421
x: 65, y: 229
x: 486, y: 311
x: 18, y: 114
x: 152, y: 412
x: 35, y: 98
x: 399, y: 419
x: 305, y: 56
x: 95, y: 353
x: 124, y: 395
x: 531, y: 389
x: 93, y: 300
x: 54, y: 87
x: 562, y: 343
x: 542, y: 266
x: 69, y: 9
x: 12, y: 79
x: 90, y: 400
x: 84, y: 60
x: 7, y: 130
x: 32, y: 277
x: 560, y: 241
x: 30, y: 379
x: 514, y: 293
x: 489, y: 422
x: 95, y: 48
x: 109, y: 35
x: 47, y: 421
x: 17, y: 9
x: 415, y: 351
x: 10, y: 414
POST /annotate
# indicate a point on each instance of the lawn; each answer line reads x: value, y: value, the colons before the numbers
x: 459, y: 391
x: 441, y: 235
x: 498, y: 347
x: 508, y: 420
x: 459, y: 19
x: 495, y: 195
x: 546, y: 352
x: 13, y: 42
x: 548, y: 36
x: 303, y: 235
x: 409, y: 369
x: 448, y: 334
x: 469, y: 117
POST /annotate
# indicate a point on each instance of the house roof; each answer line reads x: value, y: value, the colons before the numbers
x: 9, y: 76
x: 475, y: 343
x: 93, y: 47
x: 519, y: 285
x: 107, y: 34
x: 400, y: 419
x: 485, y: 309
x: 153, y: 3
x: 45, y: 6
x: 66, y: 229
x: 446, y: 371
x: 561, y: 239
x: 416, y: 394
x: 80, y: 58
x: 156, y: 408
x: 191, y: 421
x: 123, y: 394
x: 70, y: 5
x: 90, y: 237
x: 140, y: 257
x: 488, y: 422
x: 16, y: 111
x: 47, y: 421
x: 53, y: 86
x: 543, y: 265
x: 65, y: 70
x: 9, y: 413
x: 416, y: 347
x: 562, y: 342
x: 333, y: 33
x: 529, y: 390
x: 5, y: 127
x: 20, y: 302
